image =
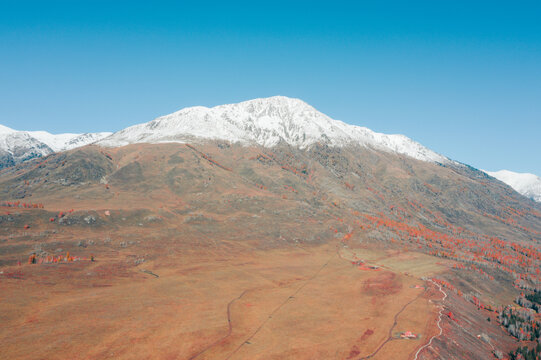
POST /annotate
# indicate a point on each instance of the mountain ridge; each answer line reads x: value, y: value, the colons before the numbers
x: 265, y: 122
x: 18, y: 146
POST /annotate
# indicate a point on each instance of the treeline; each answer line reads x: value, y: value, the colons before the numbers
x: 18, y: 204
x: 481, y: 252
x: 530, y: 301
x: 523, y: 353
x: 521, y: 323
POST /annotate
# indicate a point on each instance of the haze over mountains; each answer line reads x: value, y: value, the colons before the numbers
x: 265, y: 122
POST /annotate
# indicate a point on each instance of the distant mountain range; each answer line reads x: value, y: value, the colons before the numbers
x: 18, y: 146
x: 265, y: 122
x: 526, y: 184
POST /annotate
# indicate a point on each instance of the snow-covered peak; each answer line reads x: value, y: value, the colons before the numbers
x: 526, y: 184
x: 266, y: 122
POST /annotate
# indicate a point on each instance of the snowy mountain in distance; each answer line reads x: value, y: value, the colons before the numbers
x: 18, y: 146
x: 526, y: 184
x: 67, y: 141
x: 266, y: 122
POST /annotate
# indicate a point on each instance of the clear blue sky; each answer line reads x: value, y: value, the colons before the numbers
x: 461, y: 77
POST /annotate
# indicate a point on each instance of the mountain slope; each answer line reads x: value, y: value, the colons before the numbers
x: 340, y: 232
x: 526, y: 184
x: 18, y: 146
x: 266, y: 122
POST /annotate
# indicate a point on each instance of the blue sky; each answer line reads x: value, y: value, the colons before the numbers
x: 461, y: 77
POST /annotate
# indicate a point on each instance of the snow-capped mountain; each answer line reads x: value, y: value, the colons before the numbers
x: 526, y: 184
x: 265, y: 122
x: 18, y: 146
